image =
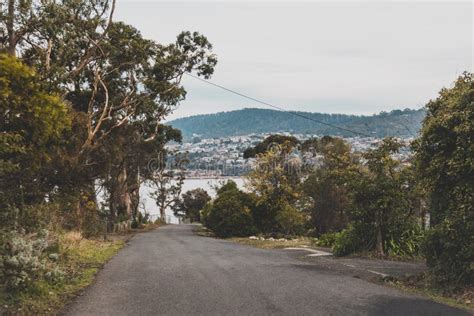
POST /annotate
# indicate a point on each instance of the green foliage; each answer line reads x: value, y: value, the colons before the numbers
x: 92, y: 225
x: 268, y: 143
x: 229, y: 214
x: 23, y: 260
x: 32, y: 123
x: 191, y: 204
x: 405, y: 243
x: 327, y: 202
x: 449, y: 251
x: 276, y: 182
x: 327, y: 239
x: 291, y: 221
x: 445, y: 160
x: 327, y: 196
x: 352, y: 239
x: 380, y: 196
x: 116, y: 101
x: 206, y: 210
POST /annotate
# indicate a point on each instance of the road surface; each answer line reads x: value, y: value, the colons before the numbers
x: 173, y: 271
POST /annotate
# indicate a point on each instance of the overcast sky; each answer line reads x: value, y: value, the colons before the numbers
x: 332, y: 57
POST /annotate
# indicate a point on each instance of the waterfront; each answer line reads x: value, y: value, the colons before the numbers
x: 189, y: 184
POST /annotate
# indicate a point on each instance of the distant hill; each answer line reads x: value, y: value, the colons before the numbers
x: 402, y: 123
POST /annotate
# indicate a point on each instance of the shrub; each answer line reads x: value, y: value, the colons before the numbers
x: 327, y: 240
x: 406, y: 243
x: 229, y: 214
x: 290, y: 220
x: 449, y: 249
x: 206, y: 210
x: 23, y: 260
x: 352, y: 239
x: 92, y: 223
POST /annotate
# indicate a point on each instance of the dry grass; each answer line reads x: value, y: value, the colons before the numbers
x: 273, y: 244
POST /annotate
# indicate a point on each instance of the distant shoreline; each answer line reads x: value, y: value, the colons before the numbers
x: 213, y: 178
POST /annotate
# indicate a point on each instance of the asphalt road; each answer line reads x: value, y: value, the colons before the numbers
x: 173, y: 271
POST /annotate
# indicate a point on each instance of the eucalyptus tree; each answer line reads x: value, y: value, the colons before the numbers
x: 167, y: 177
x: 117, y: 83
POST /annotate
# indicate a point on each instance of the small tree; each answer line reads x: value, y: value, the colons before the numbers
x: 168, y: 180
x: 268, y: 143
x: 192, y: 202
x: 229, y: 214
x: 275, y: 181
x: 327, y: 197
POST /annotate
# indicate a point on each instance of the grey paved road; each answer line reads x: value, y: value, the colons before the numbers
x: 172, y: 271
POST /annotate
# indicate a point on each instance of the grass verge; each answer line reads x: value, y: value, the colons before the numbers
x: 79, y: 259
x: 420, y: 285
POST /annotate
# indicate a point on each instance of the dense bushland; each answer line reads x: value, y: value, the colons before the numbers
x: 370, y: 201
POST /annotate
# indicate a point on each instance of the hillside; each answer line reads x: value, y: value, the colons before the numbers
x: 403, y: 123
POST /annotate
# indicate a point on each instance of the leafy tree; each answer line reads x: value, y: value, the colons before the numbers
x: 326, y: 145
x: 168, y: 178
x: 275, y: 181
x: 380, y: 208
x: 327, y: 196
x: 328, y: 201
x: 32, y: 122
x: 445, y: 160
x: 192, y: 202
x: 268, y: 143
x: 229, y: 214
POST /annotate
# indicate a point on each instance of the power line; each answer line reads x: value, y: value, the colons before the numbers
x: 277, y: 107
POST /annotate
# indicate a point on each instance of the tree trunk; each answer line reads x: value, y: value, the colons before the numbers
x: 135, y: 194
x: 163, y: 212
x: 379, y: 243
x: 120, y: 196
x: 11, y: 49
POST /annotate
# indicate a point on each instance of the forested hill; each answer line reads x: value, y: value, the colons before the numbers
x: 403, y: 123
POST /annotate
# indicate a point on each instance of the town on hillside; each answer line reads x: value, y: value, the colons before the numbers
x: 224, y: 156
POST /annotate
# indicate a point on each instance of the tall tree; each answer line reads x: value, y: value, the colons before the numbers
x: 328, y: 197
x: 32, y: 123
x: 380, y: 205
x: 445, y: 162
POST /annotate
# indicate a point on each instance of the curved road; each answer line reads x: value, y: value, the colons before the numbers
x: 173, y: 271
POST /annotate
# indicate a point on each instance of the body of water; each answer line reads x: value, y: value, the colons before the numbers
x: 189, y: 184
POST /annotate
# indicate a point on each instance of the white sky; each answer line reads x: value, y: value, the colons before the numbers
x: 333, y: 57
